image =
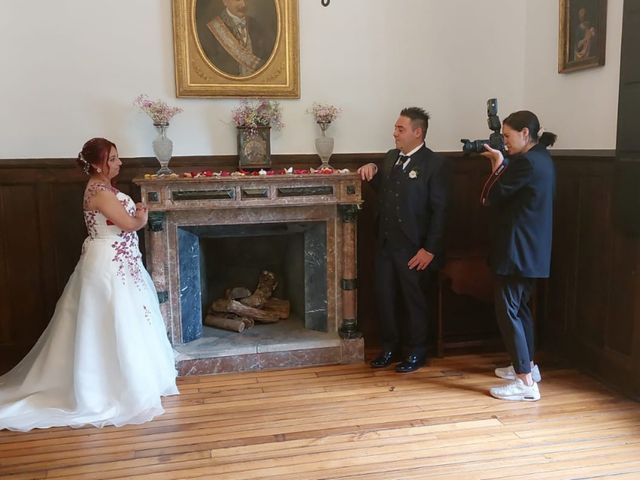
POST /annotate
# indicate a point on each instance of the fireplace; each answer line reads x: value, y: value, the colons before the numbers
x: 215, y: 258
x: 209, y: 234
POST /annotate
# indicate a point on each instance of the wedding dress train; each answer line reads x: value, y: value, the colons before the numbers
x: 104, y: 358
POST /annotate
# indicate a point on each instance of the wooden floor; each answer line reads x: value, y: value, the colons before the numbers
x: 350, y: 422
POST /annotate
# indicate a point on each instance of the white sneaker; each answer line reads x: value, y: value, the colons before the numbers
x: 517, y: 391
x: 508, y: 373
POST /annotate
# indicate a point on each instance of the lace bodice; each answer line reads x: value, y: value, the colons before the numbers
x: 125, y: 244
x: 99, y: 226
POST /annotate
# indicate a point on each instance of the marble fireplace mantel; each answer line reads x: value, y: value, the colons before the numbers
x: 331, y: 200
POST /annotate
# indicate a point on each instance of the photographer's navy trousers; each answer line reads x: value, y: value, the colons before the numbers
x: 515, y: 320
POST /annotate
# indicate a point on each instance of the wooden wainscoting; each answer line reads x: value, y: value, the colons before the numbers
x: 589, y: 310
x: 41, y: 233
x: 592, y: 313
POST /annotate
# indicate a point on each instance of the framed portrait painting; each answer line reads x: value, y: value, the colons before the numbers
x: 582, y: 35
x: 236, y: 48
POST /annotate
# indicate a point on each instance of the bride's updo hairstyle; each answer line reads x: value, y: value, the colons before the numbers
x: 94, y: 155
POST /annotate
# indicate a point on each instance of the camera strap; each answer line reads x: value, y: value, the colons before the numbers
x: 488, y: 185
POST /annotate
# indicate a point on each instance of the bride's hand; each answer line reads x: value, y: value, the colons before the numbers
x: 142, y: 211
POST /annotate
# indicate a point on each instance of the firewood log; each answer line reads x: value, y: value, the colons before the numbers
x: 248, y: 322
x: 277, y: 306
x: 267, y: 283
x: 233, y: 306
x: 232, y: 324
x: 237, y: 293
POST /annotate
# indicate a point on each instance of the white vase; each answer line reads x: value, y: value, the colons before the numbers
x: 324, y: 145
x: 162, y: 148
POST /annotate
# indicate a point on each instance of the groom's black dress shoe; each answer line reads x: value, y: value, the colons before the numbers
x: 411, y: 364
x: 383, y: 360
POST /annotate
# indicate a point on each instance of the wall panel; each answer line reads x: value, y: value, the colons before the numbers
x: 589, y: 310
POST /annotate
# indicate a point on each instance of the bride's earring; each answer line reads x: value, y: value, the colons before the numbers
x: 99, y: 170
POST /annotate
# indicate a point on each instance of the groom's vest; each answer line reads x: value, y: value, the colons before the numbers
x: 391, y: 231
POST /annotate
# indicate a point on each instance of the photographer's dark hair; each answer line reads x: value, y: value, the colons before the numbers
x: 526, y: 119
x: 419, y: 118
x: 94, y: 155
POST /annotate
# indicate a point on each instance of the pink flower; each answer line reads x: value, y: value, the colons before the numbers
x: 265, y: 113
x: 157, y: 110
x: 324, y: 113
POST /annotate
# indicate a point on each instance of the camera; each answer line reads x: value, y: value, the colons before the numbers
x: 495, y: 139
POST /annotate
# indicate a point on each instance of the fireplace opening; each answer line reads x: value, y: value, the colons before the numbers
x: 214, y: 258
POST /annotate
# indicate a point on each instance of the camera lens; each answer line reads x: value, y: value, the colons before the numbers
x: 473, y: 146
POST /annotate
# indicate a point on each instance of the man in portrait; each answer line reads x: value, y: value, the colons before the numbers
x: 235, y: 42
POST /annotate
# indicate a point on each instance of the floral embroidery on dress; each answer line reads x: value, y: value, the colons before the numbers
x: 94, y: 188
x: 147, y: 314
x: 90, y: 222
x: 128, y: 256
x: 126, y: 252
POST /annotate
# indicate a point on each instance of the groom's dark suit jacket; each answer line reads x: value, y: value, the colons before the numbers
x: 423, y: 192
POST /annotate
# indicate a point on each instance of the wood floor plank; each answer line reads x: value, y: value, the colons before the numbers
x: 352, y: 422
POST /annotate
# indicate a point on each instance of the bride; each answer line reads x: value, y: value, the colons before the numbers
x: 104, y: 358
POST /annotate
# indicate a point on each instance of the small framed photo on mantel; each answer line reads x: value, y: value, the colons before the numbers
x: 582, y: 34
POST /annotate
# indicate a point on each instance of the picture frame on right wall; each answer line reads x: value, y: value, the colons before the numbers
x: 582, y: 34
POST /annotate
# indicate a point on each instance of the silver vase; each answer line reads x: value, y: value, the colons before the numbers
x: 162, y: 148
x: 324, y: 145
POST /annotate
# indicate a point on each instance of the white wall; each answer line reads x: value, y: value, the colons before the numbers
x: 581, y: 107
x: 71, y: 69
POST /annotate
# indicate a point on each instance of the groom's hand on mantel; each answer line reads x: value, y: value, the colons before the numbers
x: 368, y: 171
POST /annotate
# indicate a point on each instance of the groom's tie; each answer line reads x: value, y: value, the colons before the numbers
x: 401, y: 160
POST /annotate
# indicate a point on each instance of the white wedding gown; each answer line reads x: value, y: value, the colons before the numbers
x: 105, y: 358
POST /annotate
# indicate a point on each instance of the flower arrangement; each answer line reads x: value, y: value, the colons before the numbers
x: 157, y: 110
x: 264, y: 113
x: 324, y: 113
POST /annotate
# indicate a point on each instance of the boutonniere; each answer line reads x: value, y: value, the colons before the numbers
x: 413, y: 174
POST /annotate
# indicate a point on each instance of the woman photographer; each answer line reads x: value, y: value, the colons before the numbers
x: 520, y: 193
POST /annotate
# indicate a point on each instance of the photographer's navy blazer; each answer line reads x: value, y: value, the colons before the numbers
x: 521, y: 198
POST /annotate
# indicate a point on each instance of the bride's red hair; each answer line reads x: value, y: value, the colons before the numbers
x: 95, y: 154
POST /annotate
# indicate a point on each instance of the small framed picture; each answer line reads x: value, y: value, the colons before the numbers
x: 582, y: 35
x: 254, y: 148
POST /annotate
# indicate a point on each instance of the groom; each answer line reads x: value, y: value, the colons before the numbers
x: 413, y: 189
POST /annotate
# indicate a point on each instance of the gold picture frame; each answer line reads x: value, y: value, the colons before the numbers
x: 582, y: 34
x: 216, y: 55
